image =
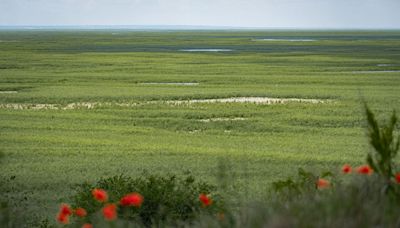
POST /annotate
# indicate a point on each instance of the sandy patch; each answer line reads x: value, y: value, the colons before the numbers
x: 375, y: 71
x: 255, y: 100
x: 7, y: 92
x: 71, y: 106
x: 92, y: 105
x: 29, y: 106
x: 221, y: 119
x: 387, y: 65
x: 86, y: 105
x: 194, y: 131
x: 206, y: 50
x: 170, y: 83
x: 286, y: 40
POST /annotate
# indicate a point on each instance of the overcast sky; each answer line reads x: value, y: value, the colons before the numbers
x: 241, y: 13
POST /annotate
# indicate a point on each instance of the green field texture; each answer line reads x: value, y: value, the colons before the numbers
x: 48, y: 151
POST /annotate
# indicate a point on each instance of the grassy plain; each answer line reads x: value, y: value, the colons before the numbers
x: 48, y: 151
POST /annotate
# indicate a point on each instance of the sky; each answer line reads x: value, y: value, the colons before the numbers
x: 367, y: 14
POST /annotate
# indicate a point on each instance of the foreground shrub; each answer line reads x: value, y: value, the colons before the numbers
x: 146, y: 200
x: 357, y: 202
x: 370, y: 198
x: 383, y: 141
x: 305, y: 182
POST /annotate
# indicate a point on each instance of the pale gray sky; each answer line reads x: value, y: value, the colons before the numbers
x: 243, y: 13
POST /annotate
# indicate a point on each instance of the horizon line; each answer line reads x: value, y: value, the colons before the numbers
x: 183, y: 27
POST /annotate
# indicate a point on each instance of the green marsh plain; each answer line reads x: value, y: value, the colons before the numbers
x: 129, y: 127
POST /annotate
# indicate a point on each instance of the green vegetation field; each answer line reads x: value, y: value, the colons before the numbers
x: 48, y: 150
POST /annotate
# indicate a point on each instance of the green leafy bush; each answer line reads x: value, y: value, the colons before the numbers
x: 306, y: 182
x: 357, y: 202
x: 368, y: 199
x: 166, y: 198
x: 383, y: 141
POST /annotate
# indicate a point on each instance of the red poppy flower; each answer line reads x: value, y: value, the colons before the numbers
x: 87, y: 225
x: 322, y: 183
x: 100, y: 195
x: 132, y: 199
x: 110, y: 211
x: 65, y: 209
x: 365, y: 169
x: 62, y: 218
x: 346, y: 169
x: 205, y: 200
x: 397, y: 176
x: 80, y: 212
